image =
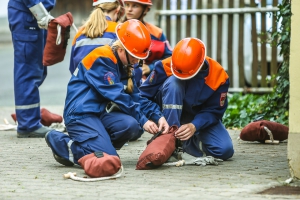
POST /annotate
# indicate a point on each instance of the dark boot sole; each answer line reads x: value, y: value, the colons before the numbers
x: 58, y: 158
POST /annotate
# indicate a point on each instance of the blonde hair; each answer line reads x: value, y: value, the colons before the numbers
x: 115, y: 46
x: 96, y: 24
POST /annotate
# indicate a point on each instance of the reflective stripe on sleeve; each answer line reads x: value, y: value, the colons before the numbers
x: 172, y: 106
x: 95, y: 41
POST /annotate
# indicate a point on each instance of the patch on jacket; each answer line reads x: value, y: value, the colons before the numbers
x: 223, y: 98
x: 152, y: 78
x: 109, y: 78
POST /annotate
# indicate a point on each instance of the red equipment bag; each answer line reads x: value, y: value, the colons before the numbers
x: 57, y: 39
x: 100, y: 164
x: 264, y: 131
x: 159, y: 149
x: 47, y: 117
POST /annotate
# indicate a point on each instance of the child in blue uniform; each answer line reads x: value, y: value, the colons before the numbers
x: 191, y: 89
x: 160, y: 47
x: 103, y: 108
x: 97, y: 31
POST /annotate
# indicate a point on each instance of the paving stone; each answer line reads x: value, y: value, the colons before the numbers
x: 29, y: 171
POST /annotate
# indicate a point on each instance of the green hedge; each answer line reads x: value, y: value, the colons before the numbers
x: 245, y: 108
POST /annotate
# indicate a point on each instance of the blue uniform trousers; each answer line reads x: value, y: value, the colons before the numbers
x: 29, y: 72
x: 106, y: 133
x: 212, y: 141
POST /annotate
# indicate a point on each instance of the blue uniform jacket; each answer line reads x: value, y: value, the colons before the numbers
x: 159, y: 50
x: 83, y: 45
x: 205, y: 100
x: 24, y: 5
x: 100, y: 79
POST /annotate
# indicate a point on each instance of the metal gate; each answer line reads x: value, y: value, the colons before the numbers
x: 237, y: 34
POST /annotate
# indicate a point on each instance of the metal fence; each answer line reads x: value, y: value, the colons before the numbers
x: 237, y: 34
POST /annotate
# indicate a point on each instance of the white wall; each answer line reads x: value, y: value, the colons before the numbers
x: 3, y: 8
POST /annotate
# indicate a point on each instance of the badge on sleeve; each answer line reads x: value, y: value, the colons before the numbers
x: 152, y: 78
x: 109, y: 78
x: 223, y: 98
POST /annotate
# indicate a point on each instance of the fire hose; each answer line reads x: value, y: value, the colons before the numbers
x: 72, y: 175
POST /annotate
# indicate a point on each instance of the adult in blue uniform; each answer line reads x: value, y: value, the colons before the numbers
x: 103, y: 108
x: 28, y: 20
x: 191, y: 89
x: 98, y: 30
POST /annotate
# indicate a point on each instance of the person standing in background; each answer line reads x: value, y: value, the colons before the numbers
x: 160, y: 47
x: 98, y: 30
x: 28, y: 21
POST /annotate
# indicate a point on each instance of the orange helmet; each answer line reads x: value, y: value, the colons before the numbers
x: 135, y: 38
x: 97, y: 2
x: 145, y: 2
x: 187, y: 58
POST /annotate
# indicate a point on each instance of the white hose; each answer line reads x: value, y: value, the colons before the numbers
x: 271, y: 141
x: 58, y: 38
x: 74, y: 27
x: 73, y: 176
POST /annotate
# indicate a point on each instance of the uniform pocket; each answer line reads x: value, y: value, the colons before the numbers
x: 25, y: 37
x: 26, y: 48
x: 84, y: 137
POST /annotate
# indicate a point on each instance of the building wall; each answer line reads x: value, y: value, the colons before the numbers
x: 294, y: 112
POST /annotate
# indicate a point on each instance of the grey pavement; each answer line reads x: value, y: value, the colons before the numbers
x: 29, y: 171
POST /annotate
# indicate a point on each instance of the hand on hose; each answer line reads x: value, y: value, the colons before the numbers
x: 185, y: 131
x: 163, y: 125
x: 150, y: 127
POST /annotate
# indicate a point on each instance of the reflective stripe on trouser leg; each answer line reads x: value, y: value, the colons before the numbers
x: 71, y: 156
x: 201, y: 149
x: 29, y: 72
x: 89, y: 135
x: 61, y: 145
x: 28, y: 117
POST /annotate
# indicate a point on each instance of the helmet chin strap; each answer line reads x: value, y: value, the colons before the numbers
x: 127, y: 57
x: 128, y: 61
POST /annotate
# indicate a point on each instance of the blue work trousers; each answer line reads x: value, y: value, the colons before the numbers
x: 106, y: 133
x: 29, y: 73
